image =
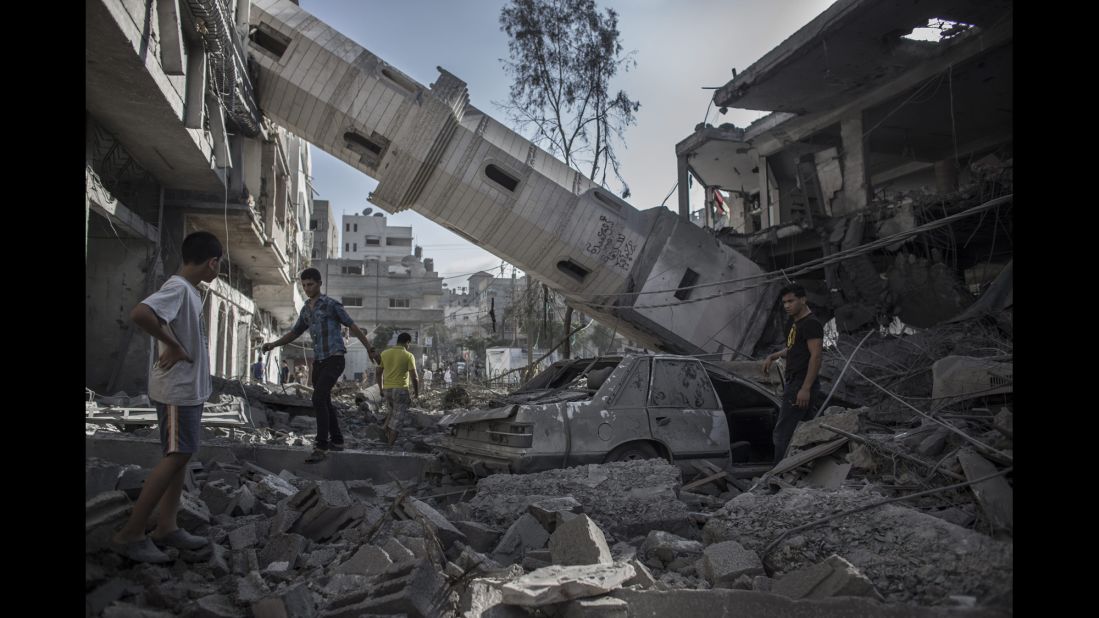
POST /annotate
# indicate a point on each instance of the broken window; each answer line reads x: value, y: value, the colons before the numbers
x: 635, y: 387
x: 689, y: 279
x: 681, y: 384
x: 573, y: 270
x: 269, y: 40
x: 502, y: 178
x: 370, y: 149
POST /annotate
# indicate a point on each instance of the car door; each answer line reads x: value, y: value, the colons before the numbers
x: 626, y: 418
x: 684, y: 412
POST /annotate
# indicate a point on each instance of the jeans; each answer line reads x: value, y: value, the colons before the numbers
x: 325, y: 375
x: 790, y: 414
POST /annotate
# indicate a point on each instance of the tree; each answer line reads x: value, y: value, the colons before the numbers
x: 563, y: 56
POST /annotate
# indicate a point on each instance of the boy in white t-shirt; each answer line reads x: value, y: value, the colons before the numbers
x: 178, y: 386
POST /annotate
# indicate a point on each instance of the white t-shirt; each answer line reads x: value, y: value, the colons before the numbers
x: 186, y: 383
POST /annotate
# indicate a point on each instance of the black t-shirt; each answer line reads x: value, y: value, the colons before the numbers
x: 797, y: 350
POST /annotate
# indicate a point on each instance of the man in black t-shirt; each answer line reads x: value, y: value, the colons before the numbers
x: 804, y: 342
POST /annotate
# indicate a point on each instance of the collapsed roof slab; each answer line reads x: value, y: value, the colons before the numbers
x: 852, y: 48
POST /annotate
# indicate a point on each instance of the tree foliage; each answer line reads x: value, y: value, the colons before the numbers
x: 563, y: 55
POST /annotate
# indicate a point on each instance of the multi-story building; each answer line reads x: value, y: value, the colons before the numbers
x: 325, y: 230
x: 175, y: 143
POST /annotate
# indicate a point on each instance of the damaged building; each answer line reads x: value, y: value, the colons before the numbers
x: 175, y: 143
x: 873, y: 134
x: 620, y: 486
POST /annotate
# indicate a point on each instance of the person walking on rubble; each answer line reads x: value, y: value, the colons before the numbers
x: 179, y: 385
x: 322, y: 317
x: 284, y: 373
x: 396, y: 369
x: 803, y: 353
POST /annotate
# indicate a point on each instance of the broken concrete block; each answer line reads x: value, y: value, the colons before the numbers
x: 229, y: 477
x: 598, y: 607
x: 114, y: 589
x: 955, y: 516
x: 810, y: 432
x: 320, y: 557
x: 417, y: 546
x: 244, y: 561
x: 106, y: 509
x: 192, y: 511
x: 396, y: 551
x: 482, y: 599
x: 251, y: 587
x: 279, y: 419
x: 325, y: 509
x: 523, y: 535
x: 219, y: 560
x: 666, y: 547
x: 722, y: 563
x: 243, y: 537
x: 306, y: 425
x: 579, y: 541
x: 275, y: 488
x: 244, y: 502
x: 834, y: 577
x: 995, y: 495
x: 442, y: 527
x: 100, y: 477
x: 293, y: 602
x: 416, y: 589
x: 556, y: 583
x: 132, y: 479
x: 546, y: 509
x: 218, y: 496
x: 368, y: 560
x: 215, y: 606
x: 283, y: 547
x: 643, y: 578
x: 341, y: 584
x: 1004, y: 423
x: 479, y: 536
x: 283, y: 521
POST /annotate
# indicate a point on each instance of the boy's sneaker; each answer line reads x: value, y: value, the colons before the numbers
x: 181, y: 539
x: 318, y: 454
x: 141, y: 551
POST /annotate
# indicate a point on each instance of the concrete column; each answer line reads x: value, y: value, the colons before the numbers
x: 684, y: 188
x: 856, y: 173
x: 219, y: 134
x: 193, y: 112
x: 212, y: 330
x: 171, y: 37
x: 765, y: 218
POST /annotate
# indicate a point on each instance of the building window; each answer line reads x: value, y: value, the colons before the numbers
x: 398, y: 242
x: 271, y: 41
x: 312, y: 225
x: 399, y: 303
x: 352, y: 270
x: 573, y: 270
x: 356, y: 228
x: 346, y: 248
x: 314, y: 254
x: 370, y: 149
x: 347, y: 227
x: 689, y: 278
x: 502, y: 178
x: 354, y: 247
x: 373, y: 241
x: 352, y: 301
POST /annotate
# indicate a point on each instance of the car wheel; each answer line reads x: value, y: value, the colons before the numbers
x: 633, y: 451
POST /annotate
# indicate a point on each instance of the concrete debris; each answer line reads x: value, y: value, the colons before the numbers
x: 579, y: 541
x: 834, y: 577
x: 910, y: 557
x: 523, y: 535
x: 556, y: 583
x: 810, y: 432
x: 632, y: 498
x: 285, y: 547
x: 440, y: 525
x: 368, y: 560
x: 106, y: 509
x: 397, y: 552
x: 545, y: 510
x: 995, y: 495
x: 243, y: 537
x: 599, y: 607
x: 415, y: 589
x: 479, y: 536
x: 325, y: 508
x: 723, y: 563
x: 662, y: 548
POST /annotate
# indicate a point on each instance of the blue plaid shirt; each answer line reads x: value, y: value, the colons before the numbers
x: 323, y: 324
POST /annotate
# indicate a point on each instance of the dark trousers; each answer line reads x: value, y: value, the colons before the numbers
x: 325, y: 375
x: 790, y: 414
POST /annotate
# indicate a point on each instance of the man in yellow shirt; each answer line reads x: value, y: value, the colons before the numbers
x: 397, y: 369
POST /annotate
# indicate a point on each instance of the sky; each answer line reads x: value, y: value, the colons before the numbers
x: 683, y: 49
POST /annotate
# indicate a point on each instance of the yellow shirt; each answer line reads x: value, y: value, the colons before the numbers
x: 396, y: 363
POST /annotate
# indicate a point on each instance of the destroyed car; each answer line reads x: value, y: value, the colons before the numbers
x: 617, y: 408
